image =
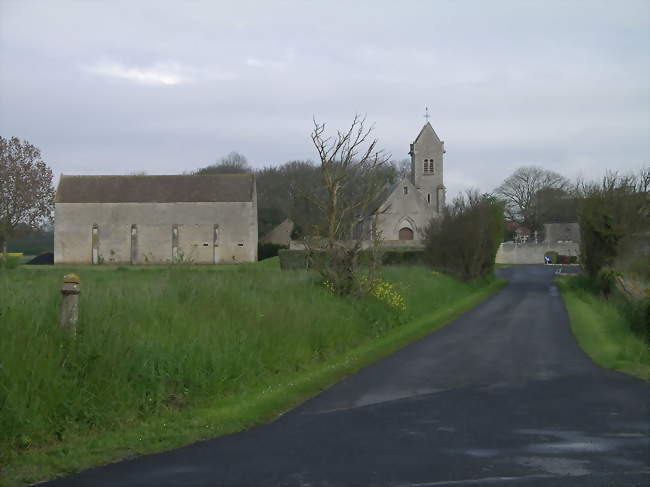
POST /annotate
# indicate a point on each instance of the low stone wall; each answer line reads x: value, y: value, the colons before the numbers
x: 532, y: 253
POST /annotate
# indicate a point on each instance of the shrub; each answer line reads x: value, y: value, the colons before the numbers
x: 637, y: 314
x: 9, y: 262
x: 404, y: 257
x: 465, y: 241
x: 611, y: 214
x: 573, y: 259
x: 266, y: 250
x: 605, y: 281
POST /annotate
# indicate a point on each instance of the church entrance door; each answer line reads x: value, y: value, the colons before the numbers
x: 405, y: 234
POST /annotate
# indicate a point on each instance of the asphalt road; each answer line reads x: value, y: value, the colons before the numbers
x: 501, y: 396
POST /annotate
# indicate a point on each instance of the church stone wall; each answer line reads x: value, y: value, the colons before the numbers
x: 142, y: 233
x: 404, y: 210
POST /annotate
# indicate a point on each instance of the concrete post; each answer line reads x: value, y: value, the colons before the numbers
x: 70, y: 302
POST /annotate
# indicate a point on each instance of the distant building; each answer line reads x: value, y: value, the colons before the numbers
x: 199, y: 219
x: 281, y: 234
x: 563, y: 238
x: 415, y: 200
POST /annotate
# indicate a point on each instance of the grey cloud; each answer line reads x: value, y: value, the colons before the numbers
x: 166, y: 86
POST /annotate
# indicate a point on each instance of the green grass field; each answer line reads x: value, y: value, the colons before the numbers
x: 169, y: 355
x: 602, y: 332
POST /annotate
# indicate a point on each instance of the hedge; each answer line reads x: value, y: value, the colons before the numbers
x: 298, y: 259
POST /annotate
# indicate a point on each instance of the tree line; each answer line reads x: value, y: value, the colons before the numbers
x: 296, y: 190
x: 346, y: 185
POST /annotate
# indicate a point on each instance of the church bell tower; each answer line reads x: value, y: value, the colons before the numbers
x: 427, y: 167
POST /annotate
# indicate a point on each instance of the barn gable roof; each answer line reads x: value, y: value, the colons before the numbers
x: 156, y: 189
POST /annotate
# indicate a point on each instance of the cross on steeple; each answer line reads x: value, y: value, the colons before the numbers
x: 426, y: 114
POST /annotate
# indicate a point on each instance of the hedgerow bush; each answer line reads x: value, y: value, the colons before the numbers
x: 301, y: 259
x: 610, y: 215
x: 464, y: 242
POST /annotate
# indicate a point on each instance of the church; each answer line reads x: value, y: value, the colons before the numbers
x: 415, y: 200
x: 169, y: 219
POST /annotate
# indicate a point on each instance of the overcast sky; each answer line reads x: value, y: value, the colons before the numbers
x: 109, y: 87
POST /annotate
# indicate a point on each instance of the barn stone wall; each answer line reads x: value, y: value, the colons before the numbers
x: 143, y: 233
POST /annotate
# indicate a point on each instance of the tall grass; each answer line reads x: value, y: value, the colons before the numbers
x: 603, y: 330
x: 155, y: 340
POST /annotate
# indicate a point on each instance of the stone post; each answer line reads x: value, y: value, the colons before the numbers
x: 70, y: 302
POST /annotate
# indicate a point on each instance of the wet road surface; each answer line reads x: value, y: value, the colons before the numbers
x: 501, y: 396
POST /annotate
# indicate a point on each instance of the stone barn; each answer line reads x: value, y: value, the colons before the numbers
x: 193, y: 219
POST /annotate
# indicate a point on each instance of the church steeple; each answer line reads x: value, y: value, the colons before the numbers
x: 427, y: 166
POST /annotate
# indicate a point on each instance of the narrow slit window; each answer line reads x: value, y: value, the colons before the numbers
x: 134, y: 243
x: 175, y: 241
x: 95, y: 244
x: 406, y: 190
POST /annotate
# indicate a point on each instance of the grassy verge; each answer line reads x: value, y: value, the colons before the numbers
x: 167, y: 356
x: 602, y: 332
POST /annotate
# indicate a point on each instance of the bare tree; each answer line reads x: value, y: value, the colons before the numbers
x: 519, y: 191
x: 403, y: 168
x: 26, y: 191
x: 353, y: 182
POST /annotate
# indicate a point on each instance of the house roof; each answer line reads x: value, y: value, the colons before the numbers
x: 155, y: 189
x: 391, y: 189
x: 555, y: 232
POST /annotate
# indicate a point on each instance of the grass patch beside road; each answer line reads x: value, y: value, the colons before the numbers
x: 602, y: 332
x: 167, y: 356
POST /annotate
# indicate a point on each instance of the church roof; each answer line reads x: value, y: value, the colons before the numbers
x: 155, y: 189
x: 424, y: 129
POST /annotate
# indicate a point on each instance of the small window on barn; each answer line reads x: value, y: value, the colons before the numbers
x: 240, y: 244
